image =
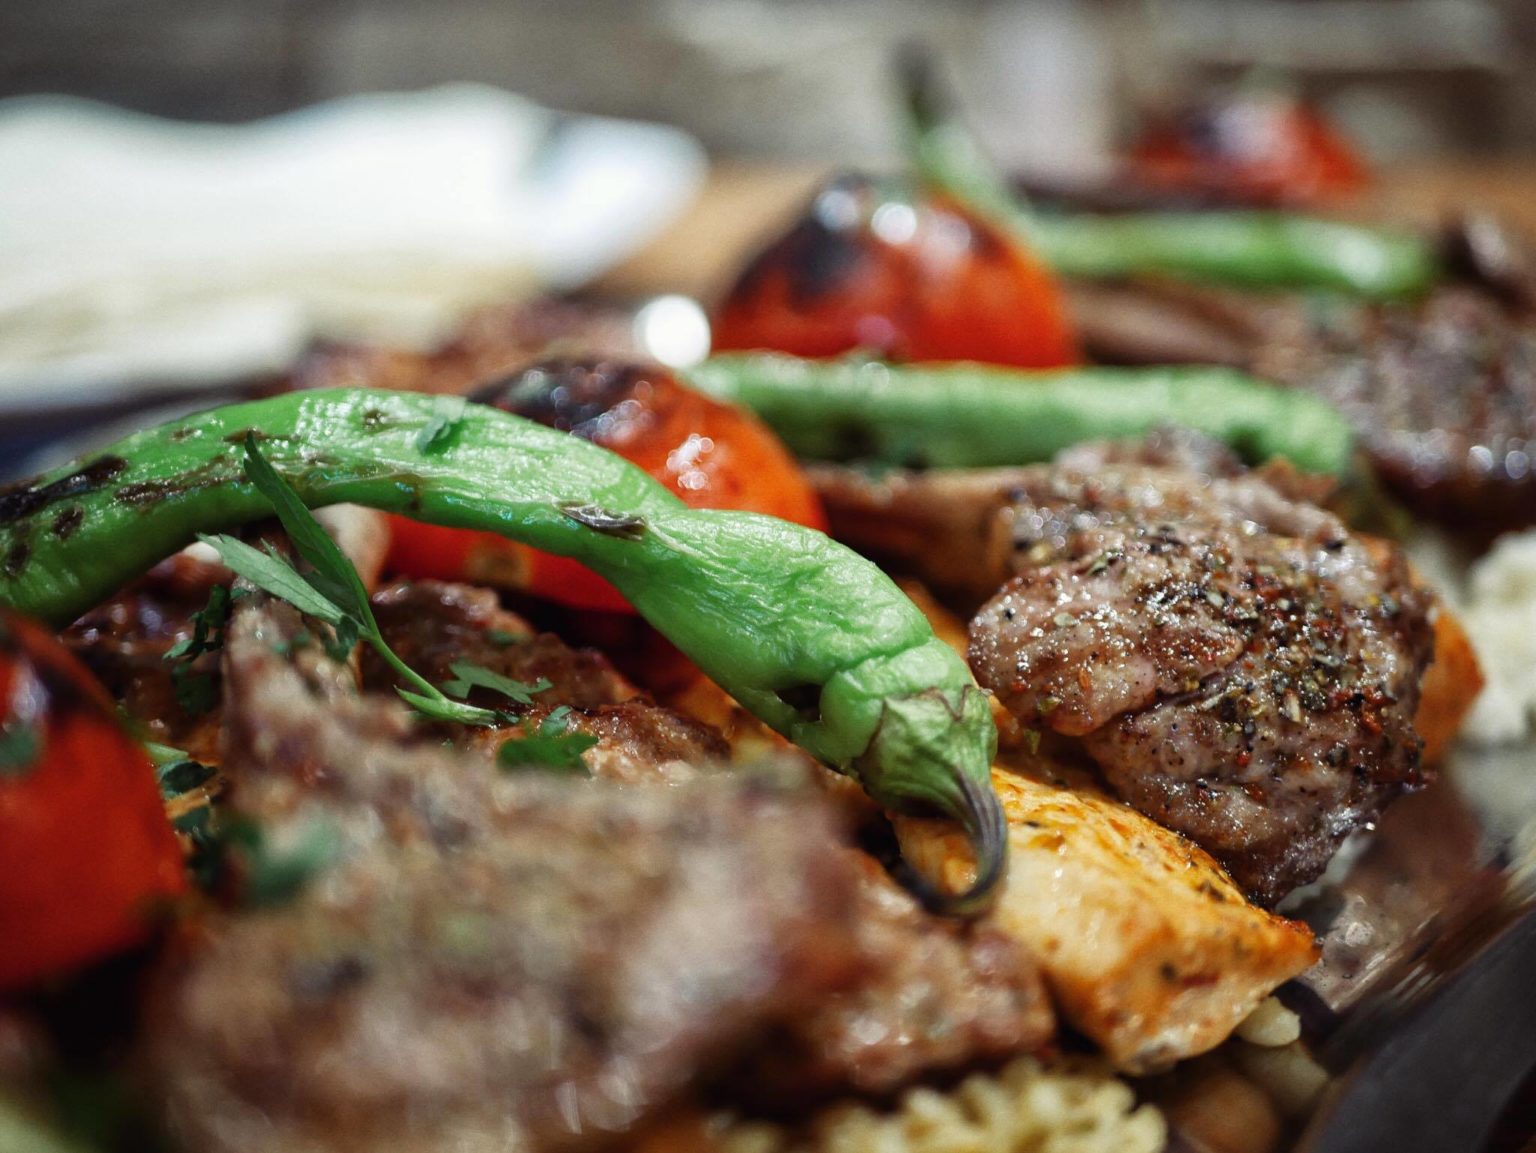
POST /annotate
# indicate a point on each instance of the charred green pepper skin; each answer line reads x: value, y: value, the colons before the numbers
x: 803, y: 632
x: 976, y: 416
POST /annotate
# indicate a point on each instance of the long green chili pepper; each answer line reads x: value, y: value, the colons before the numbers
x: 973, y: 416
x: 803, y: 632
x: 1245, y: 249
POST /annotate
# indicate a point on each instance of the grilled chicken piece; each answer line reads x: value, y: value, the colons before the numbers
x: 1241, y: 667
x: 1147, y: 947
x: 483, y: 960
x: 952, y: 529
x: 1450, y: 688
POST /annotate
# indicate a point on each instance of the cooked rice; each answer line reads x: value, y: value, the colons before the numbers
x: 1026, y: 1107
x: 1270, y: 1025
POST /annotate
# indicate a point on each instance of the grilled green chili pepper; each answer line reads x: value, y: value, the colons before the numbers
x: 1245, y: 249
x: 974, y: 416
x: 803, y: 632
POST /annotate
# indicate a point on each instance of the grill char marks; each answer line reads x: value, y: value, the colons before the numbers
x: 1240, y: 667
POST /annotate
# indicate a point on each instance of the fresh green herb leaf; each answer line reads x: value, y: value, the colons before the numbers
x: 440, y: 708
x: 442, y: 426
x: 551, y: 746
x: 274, y: 875
x: 504, y: 638
x: 334, y: 574
x: 276, y: 576
x: 468, y: 675
x: 180, y: 777
x: 342, y: 640
x: 195, y: 691
x: 332, y: 592
x: 20, y: 748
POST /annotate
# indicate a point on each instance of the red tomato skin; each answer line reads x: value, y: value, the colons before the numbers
x: 87, y: 855
x: 869, y: 268
x: 1263, y: 147
x: 710, y: 454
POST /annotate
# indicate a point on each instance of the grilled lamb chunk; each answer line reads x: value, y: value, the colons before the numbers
x: 125, y: 640
x: 485, y: 960
x: 932, y: 995
x: 1442, y: 395
x: 1441, y: 392
x: 1241, y: 668
x: 433, y: 626
x: 954, y: 530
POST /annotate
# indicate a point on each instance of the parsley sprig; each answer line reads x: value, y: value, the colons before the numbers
x: 329, y: 590
x: 195, y: 691
x: 550, y: 746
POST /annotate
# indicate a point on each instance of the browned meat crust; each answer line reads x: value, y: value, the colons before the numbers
x: 433, y: 626
x: 1241, y: 667
x: 487, y: 961
x: 1441, y: 392
x: 1442, y: 395
x: 929, y: 994
x: 124, y: 641
x: 932, y: 995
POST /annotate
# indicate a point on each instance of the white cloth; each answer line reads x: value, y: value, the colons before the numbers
x: 137, y: 252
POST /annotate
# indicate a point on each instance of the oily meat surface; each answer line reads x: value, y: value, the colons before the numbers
x: 495, y: 960
x: 1241, y: 668
x: 433, y: 625
x: 1442, y: 394
x: 932, y: 995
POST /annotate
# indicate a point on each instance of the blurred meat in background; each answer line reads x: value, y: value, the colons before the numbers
x: 1435, y: 98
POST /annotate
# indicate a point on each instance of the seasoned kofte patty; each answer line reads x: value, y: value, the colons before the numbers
x: 1240, y: 666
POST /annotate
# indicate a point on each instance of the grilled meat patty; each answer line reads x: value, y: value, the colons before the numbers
x: 483, y: 960
x: 1239, y: 666
x: 1442, y: 395
x: 1441, y: 392
x: 929, y: 994
x: 434, y: 625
